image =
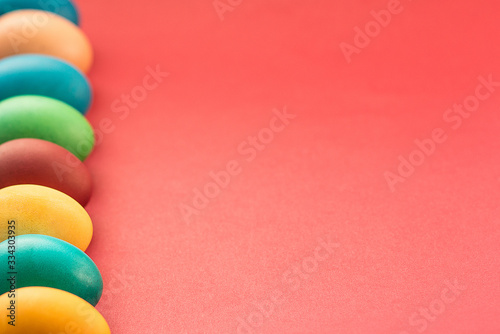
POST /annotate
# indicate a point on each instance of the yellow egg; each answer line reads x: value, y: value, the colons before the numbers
x: 36, y: 31
x: 33, y: 209
x: 40, y: 310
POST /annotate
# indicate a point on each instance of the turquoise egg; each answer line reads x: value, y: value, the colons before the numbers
x: 64, y: 8
x: 33, y: 74
x: 40, y: 260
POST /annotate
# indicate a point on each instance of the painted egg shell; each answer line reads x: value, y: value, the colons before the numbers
x: 42, y: 310
x: 36, y: 161
x: 40, y: 260
x: 38, y: 31
x: 32, y: 209
x: 31, y: 116
x: 33, y: 74
x: 64, y: 8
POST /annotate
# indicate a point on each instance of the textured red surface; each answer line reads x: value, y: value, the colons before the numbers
x: 321, y: 177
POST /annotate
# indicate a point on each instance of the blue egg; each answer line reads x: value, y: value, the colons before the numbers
x: 64, y: 8
x: 41, y: 260
x: 32, y: 74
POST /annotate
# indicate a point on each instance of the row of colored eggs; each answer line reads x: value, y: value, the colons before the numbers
x: 50, y: 284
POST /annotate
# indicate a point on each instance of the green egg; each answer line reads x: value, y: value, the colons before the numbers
x: 33, y: 116
x: 40, y: 260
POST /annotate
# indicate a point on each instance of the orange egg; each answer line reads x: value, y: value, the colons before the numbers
x: 41, y: 310
x: 36, y: 31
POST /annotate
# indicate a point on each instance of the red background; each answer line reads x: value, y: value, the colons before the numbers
x: 322, y: 177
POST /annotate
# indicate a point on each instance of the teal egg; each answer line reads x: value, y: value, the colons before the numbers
x: 34, y: 74
x: 64, y: 8
x: 40, y: 260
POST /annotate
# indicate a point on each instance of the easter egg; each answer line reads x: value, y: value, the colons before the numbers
x: 37, y: 31
x: 33, y: 209
x: 40, y: 260
x: 33, y: 74
x: 64, y: 8
x: 36, y: 161
x: 31, y: 116
x: 42, y: 310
